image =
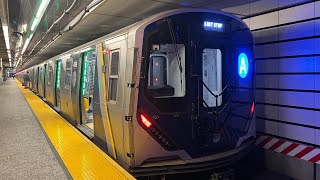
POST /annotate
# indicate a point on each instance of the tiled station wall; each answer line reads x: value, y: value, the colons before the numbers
x: 287, y: 52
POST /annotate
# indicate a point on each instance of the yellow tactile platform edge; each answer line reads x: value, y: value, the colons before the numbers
x: 83, y: 159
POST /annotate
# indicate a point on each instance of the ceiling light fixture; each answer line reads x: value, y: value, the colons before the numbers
x: 42, y: 8
x: 6, y: 35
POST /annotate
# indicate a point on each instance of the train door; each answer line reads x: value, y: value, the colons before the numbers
x: 37, y: 80
x: 115, y: 64
x: 44, y: 80
x: 33, y: 80
x: 88, y: 62
x: 57, y: 85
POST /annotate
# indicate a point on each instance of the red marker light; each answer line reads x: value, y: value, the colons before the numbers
x: 145, y: 121
x: 252, y: 108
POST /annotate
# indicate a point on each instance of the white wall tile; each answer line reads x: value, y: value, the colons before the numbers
x: 299, y: 133
x: 300, y: 99
x: 300, y: 116
x: 317, y: 28
x: 263, y: 5
x: 296, y: 13
x: 265, y: 20
x: 299, y: 82
x: 317, y: 8
x: 294, y: 48
x: 300, y: 30
x: 297, y: 65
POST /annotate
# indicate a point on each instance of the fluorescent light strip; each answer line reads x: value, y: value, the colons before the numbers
x: 26, y: 44
x: 41, y: 10
x: 6, y: 35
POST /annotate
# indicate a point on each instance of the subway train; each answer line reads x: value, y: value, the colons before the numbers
x: 173, y: 93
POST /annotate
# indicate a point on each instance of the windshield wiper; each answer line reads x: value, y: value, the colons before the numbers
x: 174, y: 41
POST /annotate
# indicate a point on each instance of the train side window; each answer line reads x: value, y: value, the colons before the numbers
x: 68, y: 74
x: 113, y: 76
x: 50, y: 74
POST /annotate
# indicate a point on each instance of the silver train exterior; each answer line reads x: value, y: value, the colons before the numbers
x: 173, y: 93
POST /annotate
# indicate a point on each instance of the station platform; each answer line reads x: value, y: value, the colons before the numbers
x: 37, y: 143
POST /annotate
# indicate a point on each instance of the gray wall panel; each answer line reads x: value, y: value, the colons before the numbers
x: 267, y: 66
x: 300, y: 116
x: 268, y: 50
x: 269, y: 127
x: 290, y: 166
x: 298, y: 133
x: 300, y: 99
x: 266, y: 35
x: 267, y: 111
x: 300, y: 82
x: 267, y: 81
x: 267, y: 96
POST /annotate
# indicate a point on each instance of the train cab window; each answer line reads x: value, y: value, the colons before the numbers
x: 212, y: 77
x: 166, y: 76
x: 68, y: 74
x: 113, y: 76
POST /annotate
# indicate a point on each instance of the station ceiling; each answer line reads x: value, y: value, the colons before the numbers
x: 108, y: 16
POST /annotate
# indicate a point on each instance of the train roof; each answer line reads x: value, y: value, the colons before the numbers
x: 140, y: 26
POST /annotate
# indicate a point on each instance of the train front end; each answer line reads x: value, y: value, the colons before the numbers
x: 196, y: 100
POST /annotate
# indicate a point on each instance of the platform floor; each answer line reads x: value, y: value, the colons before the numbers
x: 25, y: 152
x: 82, y: 158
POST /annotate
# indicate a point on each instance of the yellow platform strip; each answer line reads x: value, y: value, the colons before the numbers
x: 83, y: 159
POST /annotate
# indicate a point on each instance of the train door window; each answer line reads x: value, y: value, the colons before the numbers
x: 50, y: 74
x: 87, y: 79
x: 113, y: 75
x: 44, y: 80
x: 37, y: 80
x: 212, y: 77
x: 57, y: 85
x: 68, y: 74
x: 166, y: 75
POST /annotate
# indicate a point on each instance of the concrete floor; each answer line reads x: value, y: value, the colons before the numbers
x: 24, y: 150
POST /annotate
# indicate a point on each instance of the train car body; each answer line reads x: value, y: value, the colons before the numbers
x: 173, y: 93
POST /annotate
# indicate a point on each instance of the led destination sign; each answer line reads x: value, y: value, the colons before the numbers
x: 213, y: 26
